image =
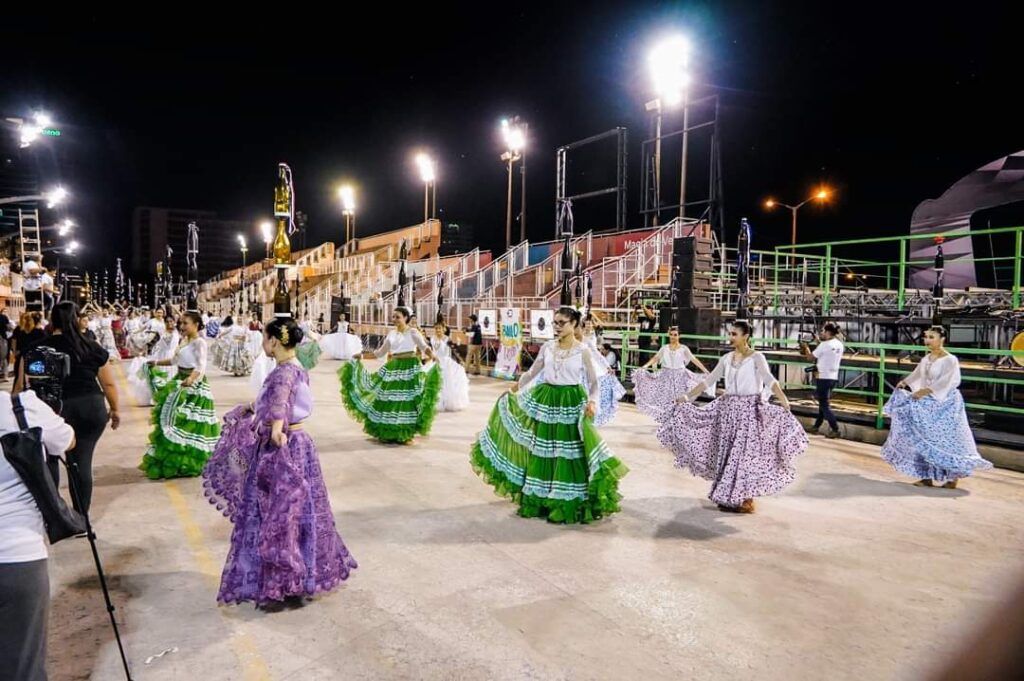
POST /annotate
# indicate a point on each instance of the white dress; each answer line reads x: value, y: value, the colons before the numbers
x: 341, y: 344
x: 454, y: 383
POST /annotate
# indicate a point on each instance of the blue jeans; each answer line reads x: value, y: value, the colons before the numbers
x: 823, y: 390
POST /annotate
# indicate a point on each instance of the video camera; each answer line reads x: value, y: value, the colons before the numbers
x: 45, y: 371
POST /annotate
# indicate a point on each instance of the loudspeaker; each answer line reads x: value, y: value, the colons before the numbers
x: 690, y: 245
x: 692, y: 321
x: 339, y: 310
x: 690, y: 262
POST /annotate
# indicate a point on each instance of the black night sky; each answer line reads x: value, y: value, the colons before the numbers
x: 888, y: 103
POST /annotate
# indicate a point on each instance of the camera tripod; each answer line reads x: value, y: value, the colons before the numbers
x: 72, y: 470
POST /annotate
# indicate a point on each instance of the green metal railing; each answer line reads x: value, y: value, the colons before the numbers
x: 787, y: 253
x: 874, y: 351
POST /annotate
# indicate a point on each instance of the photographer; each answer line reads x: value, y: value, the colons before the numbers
x: 827, y: 356
x: 83, y: 395
x: 24, y: 580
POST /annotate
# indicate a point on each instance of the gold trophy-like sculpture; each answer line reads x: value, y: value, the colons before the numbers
x: 284, y: 213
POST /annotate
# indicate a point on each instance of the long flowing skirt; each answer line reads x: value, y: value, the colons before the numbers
x: 341, y: 345
x: 396, y: 402
x: 656, y: 393
x: 929, y: 439
x: 539, y: 451
x: 185, y: 430
x: 745, y: 446
x: 611, y: 391
x: 308, y: 354
x: 235, y: 358
x: 144, y: 380
x: 454, y: 386
x: 284, y: 542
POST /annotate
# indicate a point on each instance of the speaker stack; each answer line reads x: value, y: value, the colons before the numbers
x: 339, y: 310
x: 690, y: 289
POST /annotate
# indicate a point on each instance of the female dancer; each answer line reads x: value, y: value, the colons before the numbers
x: 265, y: 477
x: 186, y: 428
x: 105, y: 335
x: 741, y: 443
x: 308, y: 351
x: 454, y: 383
x: 929, y: 436
x: 655, y: 393
x: 400, y: 399
x: 144, y: 379
x: 341, y: 344
x: 234, y: 356
x: 540, y: 448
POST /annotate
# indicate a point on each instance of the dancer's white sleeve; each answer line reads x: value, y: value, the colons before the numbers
x: 535, y: 368
x: 384, y: 348
x: 949, y: 378
x: 764, y: 372
x: 593, y: 390
x: 717, y: 373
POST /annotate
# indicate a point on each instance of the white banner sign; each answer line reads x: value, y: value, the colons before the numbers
x: 507, y: 364
x: 488, y: 320
x: 542, y: 324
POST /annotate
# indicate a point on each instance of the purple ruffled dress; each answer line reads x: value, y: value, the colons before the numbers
x: 284, y: 542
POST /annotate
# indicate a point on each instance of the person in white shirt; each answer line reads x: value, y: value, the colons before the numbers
x: 929, y: 435
x: 745, y: 446
x: 827, y: 356
x: 24, y: 579
x: 540, y: 447
x: 32, y: 285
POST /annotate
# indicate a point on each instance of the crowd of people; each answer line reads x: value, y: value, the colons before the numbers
x: 541, y: 446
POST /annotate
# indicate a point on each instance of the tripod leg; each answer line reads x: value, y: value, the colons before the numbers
x: 72, y: 469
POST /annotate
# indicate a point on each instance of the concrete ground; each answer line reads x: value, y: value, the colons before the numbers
x: 852, y: 573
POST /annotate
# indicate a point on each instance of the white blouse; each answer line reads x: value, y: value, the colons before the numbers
x: 397, y: 342
x: 679, y: 358
x: 440, y: 347
x: 750, y: 377
x: 564, y: 367
x: 166, y: 346
x: 238, y: 331
x: 941, y: 375
x: 192, y: 356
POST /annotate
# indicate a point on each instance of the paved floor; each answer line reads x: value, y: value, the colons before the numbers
x: 852, y: 573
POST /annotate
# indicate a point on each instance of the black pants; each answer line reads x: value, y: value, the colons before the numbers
x: 823, y: 390
x: 87, y: 415
x: 24, y: 609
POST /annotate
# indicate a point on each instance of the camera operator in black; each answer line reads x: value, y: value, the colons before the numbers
x: 90, y: 380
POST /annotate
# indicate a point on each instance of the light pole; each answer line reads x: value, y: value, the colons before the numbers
x: 348, y: 209
x: 429, y: 176
x: 820, y: 195
x: 669, y: 61
x: 241, y: 292
x: 267, y: 231
x: 514, y: 134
